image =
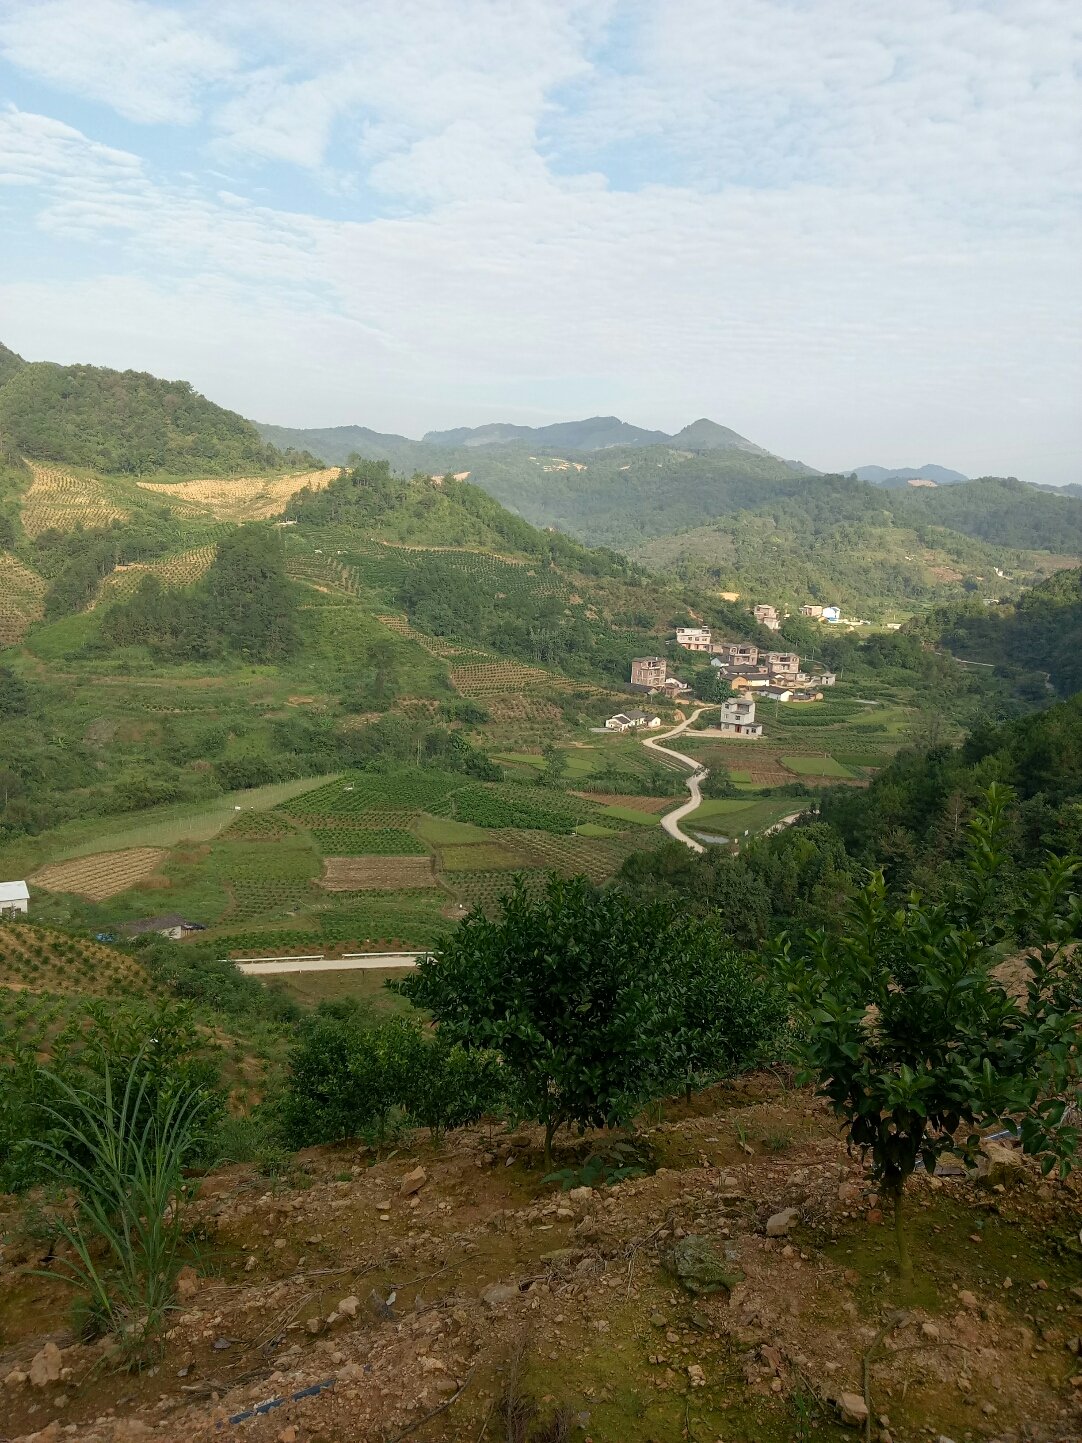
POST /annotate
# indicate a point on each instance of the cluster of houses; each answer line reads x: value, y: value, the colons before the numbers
x: 776, y: 675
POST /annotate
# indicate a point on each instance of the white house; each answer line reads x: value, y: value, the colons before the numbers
x: 738, y: 718
x: 693, y: 638
x: 14, y: 898
x: 778, y: 693
x: 626, y: 721
x: 832, y: 613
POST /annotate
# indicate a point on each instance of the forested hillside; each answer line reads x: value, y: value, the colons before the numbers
x: 125, y: 423
x: 1039, y: 633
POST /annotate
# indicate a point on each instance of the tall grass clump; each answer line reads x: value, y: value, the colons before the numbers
x: 123, y: 1152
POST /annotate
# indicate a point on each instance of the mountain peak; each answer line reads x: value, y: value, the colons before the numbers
x: 707, y: 435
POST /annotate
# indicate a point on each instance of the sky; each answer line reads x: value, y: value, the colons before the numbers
x: 849, y: 230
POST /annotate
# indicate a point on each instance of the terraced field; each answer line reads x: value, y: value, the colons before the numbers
x: 39, y: 959
x: 22, y: 593
x: 493, y: 678
x: 57, y: 499
x: 241, y: 498
x: 183, y: 569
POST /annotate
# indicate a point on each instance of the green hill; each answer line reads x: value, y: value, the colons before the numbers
x: 125, y: 423
x: 1038, y: 634
x: 9, y: 364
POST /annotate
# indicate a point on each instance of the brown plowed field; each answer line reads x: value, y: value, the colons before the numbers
x: 376, y: 874
x: 639, y: 804
x: 105, y: 874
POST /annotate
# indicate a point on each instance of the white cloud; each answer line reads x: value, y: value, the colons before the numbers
x: 849, y: 231
x: 145, y: 61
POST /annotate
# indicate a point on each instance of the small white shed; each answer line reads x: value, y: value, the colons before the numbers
x: 14, y: 897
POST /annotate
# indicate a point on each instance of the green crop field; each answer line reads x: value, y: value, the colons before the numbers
x: 478, y: 857
x: 629, y: 814
x: 816, y: 767
x: 441, y: 830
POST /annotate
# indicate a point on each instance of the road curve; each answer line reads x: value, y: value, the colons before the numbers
x: 671, y: 820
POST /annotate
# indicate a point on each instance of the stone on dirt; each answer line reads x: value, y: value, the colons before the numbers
x: 853, y: 1410
x: 45, y: 1367
x: 1000, y: 1165
x: 413, y: 1181
x: 778, y: 1225
x: 349, y: 1307
x: 497, y: 1293
x: 695, y: 1264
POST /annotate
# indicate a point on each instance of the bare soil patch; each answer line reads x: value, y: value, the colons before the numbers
x: 101, y: 875
x: 376, y: 874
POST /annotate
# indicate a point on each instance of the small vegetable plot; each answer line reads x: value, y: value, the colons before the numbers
x: 413, y: 789
x: 101, y: 875
x: 483, y: 856
x: 816, y: 767
x: 509, y: 805
x: 377, y: 874
x: 259, y: 827
x: 366, y: 842
x: 484, y: 890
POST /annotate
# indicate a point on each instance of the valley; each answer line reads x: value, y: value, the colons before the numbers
x: 273, y: 730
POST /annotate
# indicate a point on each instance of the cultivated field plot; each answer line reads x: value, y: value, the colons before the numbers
x: 325, y: 573
x: 22, y: 593
x: 515, y: 707
x: 38, y: 959
x: 253, y: 900
x: 241, y: 498
x: 365, y: 841
x: 636, y: 803
x: 510, y: 805
x: 817, y: 767
x: 361, y: 793
x: 182, y: 569
x: 485, y: 890
x: 480, y: 856
x: 58, y: 499
x: 401, y: 627
x: 260, y: 827
x: 491, y: 678
x: 377, y: 874
x: 100, y: 875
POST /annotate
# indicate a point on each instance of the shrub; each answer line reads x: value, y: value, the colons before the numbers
x: 349, y: 1078
x: 910, y: 1035
x: 123, y: 1151
x: 589, y: 998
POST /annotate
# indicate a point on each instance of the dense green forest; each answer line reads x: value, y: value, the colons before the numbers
x: 126, y: 423
x: 245, y: 606
x: 1039, y: 633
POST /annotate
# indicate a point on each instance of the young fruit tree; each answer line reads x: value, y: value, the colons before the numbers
x: 916, y: 1042
x: 588, y: 997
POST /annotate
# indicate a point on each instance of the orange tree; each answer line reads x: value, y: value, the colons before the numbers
x: 914, y: 1040
x: 594, y: 1002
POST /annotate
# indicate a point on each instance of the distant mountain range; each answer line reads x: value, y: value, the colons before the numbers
x: 336, y: 444
x: 902, y: 475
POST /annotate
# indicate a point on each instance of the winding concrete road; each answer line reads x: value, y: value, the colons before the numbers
x: 671, y: 820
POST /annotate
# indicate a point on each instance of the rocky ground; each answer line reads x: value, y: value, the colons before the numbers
x: 744, y: 1290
